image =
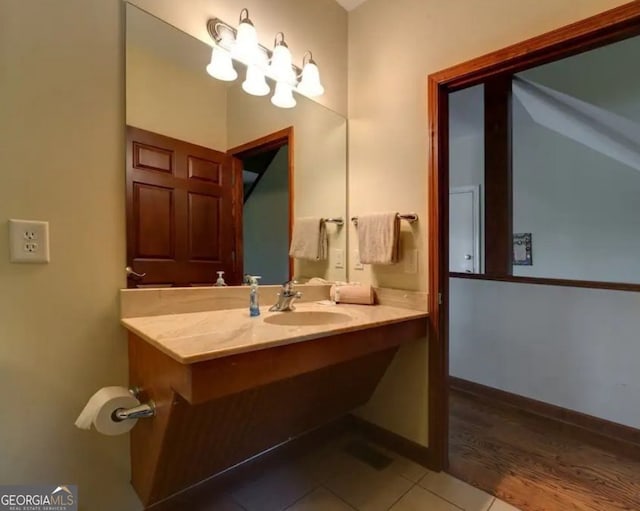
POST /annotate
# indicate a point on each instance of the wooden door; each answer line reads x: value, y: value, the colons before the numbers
x: 182, y: 220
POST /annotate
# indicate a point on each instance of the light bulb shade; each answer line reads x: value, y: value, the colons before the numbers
x: 280, y: 66
x: 221, y: 66
x: 283, y: 96
x: 255, y: 82
x: 310, y: 82
x: 245, y: 47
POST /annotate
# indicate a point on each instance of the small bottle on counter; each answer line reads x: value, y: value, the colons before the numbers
x: 254, y: 306
x: 220, y: 282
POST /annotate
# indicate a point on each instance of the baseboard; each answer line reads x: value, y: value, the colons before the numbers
x: 205, y: 490
x: 394, y: 442
x: 621, y: 438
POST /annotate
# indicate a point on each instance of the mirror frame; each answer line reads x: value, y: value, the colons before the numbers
x: 608, y: 27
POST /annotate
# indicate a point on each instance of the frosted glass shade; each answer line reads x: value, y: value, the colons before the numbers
x: 280, y: 66
x: 221, y: 66
x: 283, y: 96
x: 310, y: 82
x: 245, y: 48
x: 255, y: 82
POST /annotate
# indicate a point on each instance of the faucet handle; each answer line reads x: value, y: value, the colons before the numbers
x: 287, y: 287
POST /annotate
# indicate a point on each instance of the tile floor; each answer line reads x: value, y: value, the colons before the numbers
x: 331, y: 479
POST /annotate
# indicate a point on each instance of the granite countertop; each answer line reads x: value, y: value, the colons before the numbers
x: 200, y: 336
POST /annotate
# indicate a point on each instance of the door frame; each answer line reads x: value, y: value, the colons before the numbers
x: 599, y: 30
x: 269, y: 142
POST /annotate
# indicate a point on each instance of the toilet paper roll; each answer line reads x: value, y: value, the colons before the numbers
x: 99, y: 411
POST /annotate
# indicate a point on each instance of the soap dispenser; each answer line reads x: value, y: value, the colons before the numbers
x: 254, y: 306
x: 220, y: 282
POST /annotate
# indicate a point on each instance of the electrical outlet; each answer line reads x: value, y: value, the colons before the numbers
x: 338, y: 258
x: 357, y: 265
x: 28, y: 241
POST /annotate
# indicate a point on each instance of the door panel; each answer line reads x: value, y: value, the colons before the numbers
x: 181, y: 219
x: 152, y: 158
x: 204, y: 232
x: 204, y: 169
x: 464, y: 230
x: 153, y: 211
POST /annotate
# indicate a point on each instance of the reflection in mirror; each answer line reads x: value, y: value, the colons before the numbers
x: 216, y: 177
x: 545, y: 171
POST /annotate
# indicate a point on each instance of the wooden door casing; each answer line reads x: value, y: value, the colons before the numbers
x: 181, y: 220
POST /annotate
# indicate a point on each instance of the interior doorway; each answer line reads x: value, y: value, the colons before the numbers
x: 266, y: 191
x: 550, y: 466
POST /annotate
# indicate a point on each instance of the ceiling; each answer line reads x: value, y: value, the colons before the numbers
x: 350, y: 5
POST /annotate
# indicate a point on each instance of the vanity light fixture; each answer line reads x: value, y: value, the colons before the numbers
x: 283, y: 97
x: 310, y: 79
x: 221, y: 65
x: 281, y: 62
x: 242, y: 44
x: 246, y: 46
x: 255, y: 82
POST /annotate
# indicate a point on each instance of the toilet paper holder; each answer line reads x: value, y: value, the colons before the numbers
x: 144, y: 410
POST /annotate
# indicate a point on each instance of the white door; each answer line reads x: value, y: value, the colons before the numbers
x: 464, y: 229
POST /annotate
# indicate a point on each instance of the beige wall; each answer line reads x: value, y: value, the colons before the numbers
x: 156, y: 100
x: 62, y: 160
x: 388, y: 144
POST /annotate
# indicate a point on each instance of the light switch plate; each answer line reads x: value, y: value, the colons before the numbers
x: 338, y: 258
x: 28, y: 241
x: 357, y: 265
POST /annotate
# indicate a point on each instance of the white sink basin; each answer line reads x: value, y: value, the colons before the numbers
x: 307, y: 318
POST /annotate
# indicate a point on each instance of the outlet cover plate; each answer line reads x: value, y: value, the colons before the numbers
x: 338, y: 258
x: 357, y: 265
x: 28, y: 241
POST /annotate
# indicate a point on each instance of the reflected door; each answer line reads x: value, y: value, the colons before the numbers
x: 182, y: 225
x: 464, y: 230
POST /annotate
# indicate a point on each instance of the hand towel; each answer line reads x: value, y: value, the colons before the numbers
x: 353, y: 293
x: 379, y: 238
x: 309, y: 239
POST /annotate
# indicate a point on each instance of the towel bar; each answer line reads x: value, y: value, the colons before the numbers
x: 409, y: 217
x: 337, y: 221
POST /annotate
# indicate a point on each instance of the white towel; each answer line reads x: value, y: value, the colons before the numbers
x: 379, y: 238
x: 309, y: 239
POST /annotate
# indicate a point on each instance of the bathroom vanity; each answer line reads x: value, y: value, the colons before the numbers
x: 228, y: 386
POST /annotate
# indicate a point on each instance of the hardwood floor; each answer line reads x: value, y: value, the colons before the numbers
x: 533, y: 463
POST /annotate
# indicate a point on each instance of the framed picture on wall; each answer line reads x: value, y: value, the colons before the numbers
x: 522, y: 255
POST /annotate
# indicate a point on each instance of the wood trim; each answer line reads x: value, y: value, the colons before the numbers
x: 399, y: 444
x: 202, y: 493
x: 438, y: 178
x: 587, y: 284
x: 604, y: 433
x: 608, y: 27
x: 605, y: 28
x: 238, y: 222
x: 273, y: 141
x: 498, y: 189
x: 259, y: 145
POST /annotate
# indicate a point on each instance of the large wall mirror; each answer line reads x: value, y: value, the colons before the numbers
x: 544, y: 170
x: 216, y: 177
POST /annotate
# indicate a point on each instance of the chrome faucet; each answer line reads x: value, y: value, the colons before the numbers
x: 286, y: 297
